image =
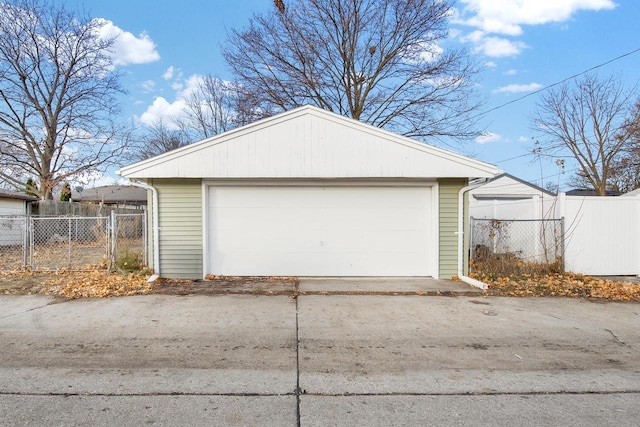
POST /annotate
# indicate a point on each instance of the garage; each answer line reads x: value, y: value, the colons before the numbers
x: 307, y: 193
x: 309, y: 230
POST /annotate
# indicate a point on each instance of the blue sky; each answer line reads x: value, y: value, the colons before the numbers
x: 525, y: 45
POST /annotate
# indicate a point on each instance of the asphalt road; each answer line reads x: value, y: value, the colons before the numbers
x: 318, y: 360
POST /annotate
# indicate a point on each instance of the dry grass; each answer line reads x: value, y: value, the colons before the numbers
x: 522, y: 279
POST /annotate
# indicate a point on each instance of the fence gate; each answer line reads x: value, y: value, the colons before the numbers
x: 129, y: 238
x: 72, y: 243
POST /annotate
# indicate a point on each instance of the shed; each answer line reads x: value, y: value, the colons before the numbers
x: 509, y: 197
x: 14, y: 203
x: 306, y: 193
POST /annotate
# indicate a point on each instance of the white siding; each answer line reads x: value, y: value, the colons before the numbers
x: 534, y: 208
x: 12, y: 207
x: 11, y: 229
x: 309, y: 143
x: 508, y: 198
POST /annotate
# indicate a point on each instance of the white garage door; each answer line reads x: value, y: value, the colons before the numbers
x: 320, y: 231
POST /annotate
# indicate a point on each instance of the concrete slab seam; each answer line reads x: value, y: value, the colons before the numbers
x: 297, y: 393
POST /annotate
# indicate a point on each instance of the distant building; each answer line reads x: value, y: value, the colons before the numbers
x: 590, y: 192
x: 112, y: 196
x: 13, y: 203
x: 508, y: 197
x: 14, y: 208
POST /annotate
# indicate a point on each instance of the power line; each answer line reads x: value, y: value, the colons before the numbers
x: 556, y: 83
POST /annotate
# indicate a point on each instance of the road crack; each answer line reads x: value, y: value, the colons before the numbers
x: 615, y: 337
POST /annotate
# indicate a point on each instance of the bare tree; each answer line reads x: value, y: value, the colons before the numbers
x: 215, y: 106
x: 625, y: 174
x: 626, y: 171
x: 378, y: 61
x: 58, y: 90
x: 160, y: 139
x: 589, y: 120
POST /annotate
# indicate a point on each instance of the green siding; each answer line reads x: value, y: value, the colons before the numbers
x: 448, y: 215
x: 180, y: 222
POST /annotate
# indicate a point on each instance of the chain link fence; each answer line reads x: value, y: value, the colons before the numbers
x: 70, y: 243
x: 507, y: 247
x: 13, y: 242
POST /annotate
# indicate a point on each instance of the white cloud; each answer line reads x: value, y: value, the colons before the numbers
x: 523, y: 139
x: 94, y: 178
x: 127, y: 48
x: 190, y: 85
x: 507, y: 16
x: 490, y: 64
x: 168, y: 112
x: 511, y: 72
x: 168, y: 75
x: 497, y: 47
x: 161, y: 109
x: 514, y: 88
x: 488, y: 137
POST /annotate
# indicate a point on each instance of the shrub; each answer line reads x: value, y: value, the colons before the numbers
x: 129, y: 261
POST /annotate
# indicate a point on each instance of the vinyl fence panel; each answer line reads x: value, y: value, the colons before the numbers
x: 602, y: 234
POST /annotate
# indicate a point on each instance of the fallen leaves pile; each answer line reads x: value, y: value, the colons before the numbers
x: 561, y: 285
x: 72, y: 285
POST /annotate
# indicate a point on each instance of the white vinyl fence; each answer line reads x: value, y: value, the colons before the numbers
x: 601, y: 234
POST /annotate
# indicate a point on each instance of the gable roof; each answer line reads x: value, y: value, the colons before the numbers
x: 8, y: 194
x: 309, y: 142
x: 507, y: 186
x: 111, y: 194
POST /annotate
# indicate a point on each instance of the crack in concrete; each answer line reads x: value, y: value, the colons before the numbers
x: 26, y: 311
x: 615, y: 337
x: 317, y: 394
x: 159, y: 394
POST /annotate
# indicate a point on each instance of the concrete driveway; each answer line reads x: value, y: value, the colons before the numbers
x: 318, y: 360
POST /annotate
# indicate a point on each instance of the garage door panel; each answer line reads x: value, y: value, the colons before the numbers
x: 355, y: 231
x: 326, y: 241
x: 317, y: 219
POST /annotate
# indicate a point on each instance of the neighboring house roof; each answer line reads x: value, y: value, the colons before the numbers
x: 309, y: 142
x: 590, y: 192
x: 111, y: 194
x: 508, y: 187
x: 7, y: 194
